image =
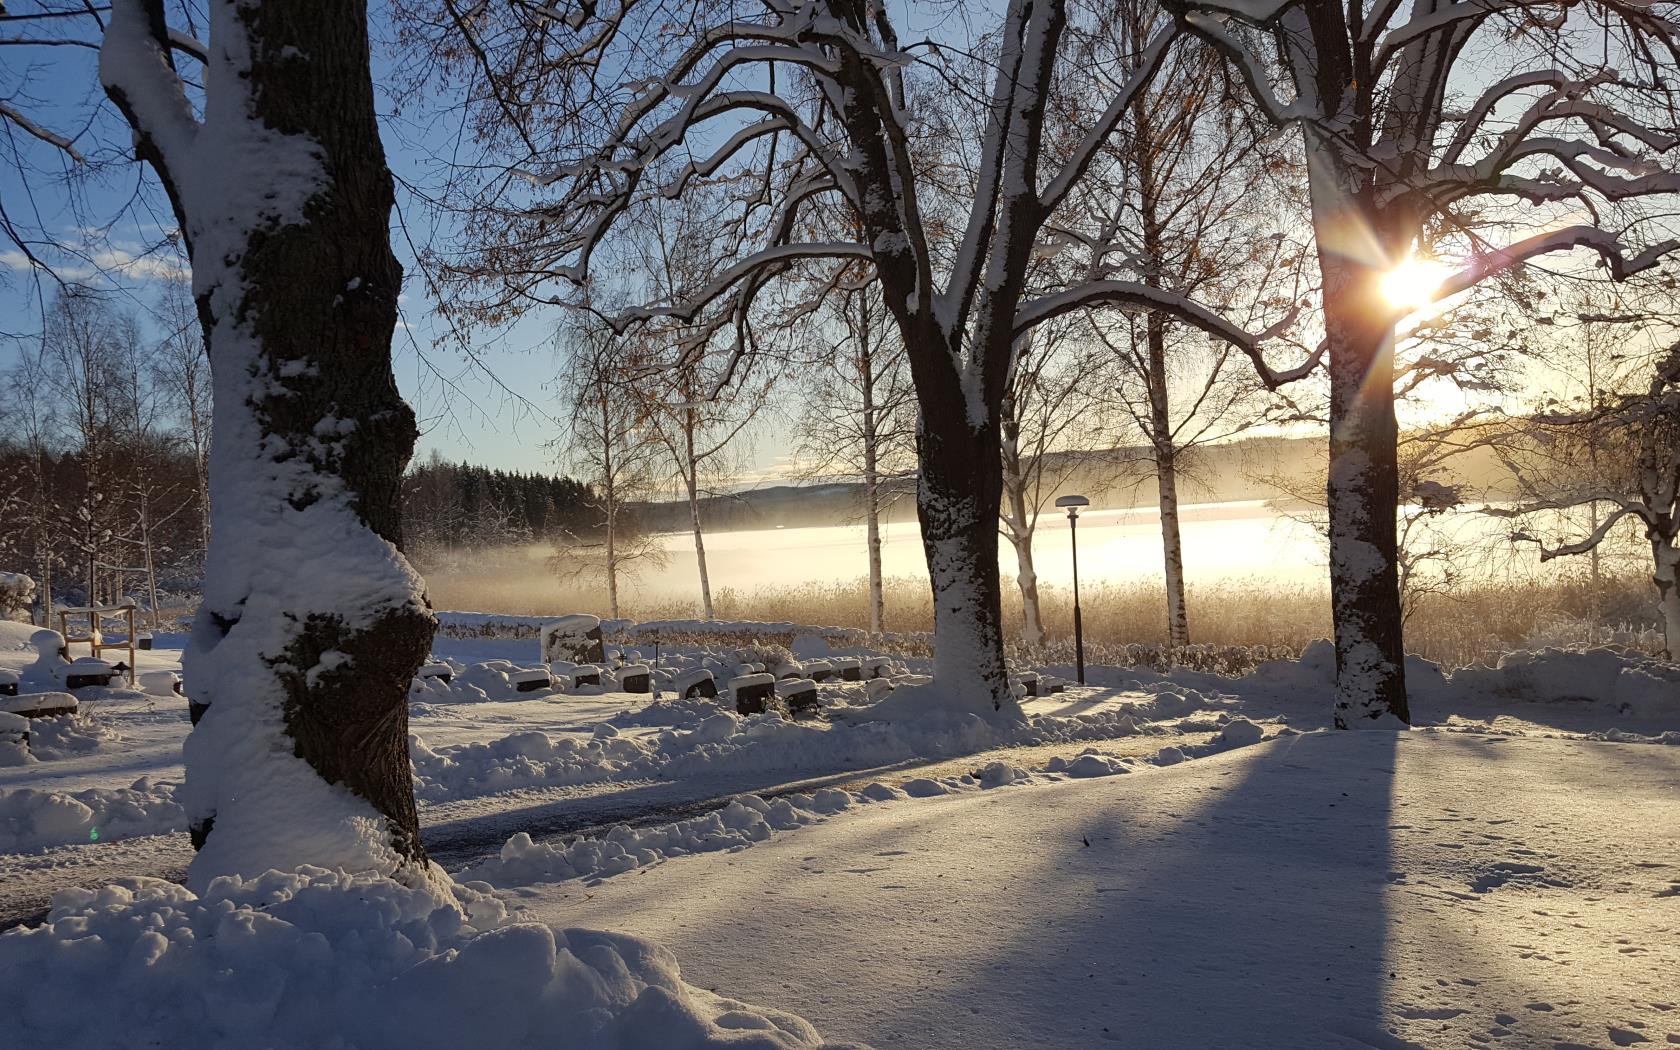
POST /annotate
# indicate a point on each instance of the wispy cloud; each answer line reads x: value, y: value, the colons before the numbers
x: 91, y: 263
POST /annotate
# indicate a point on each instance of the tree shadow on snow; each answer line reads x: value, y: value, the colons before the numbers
x: 1243, y: 906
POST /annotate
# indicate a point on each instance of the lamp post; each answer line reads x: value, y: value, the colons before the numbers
x: 1073, y: 503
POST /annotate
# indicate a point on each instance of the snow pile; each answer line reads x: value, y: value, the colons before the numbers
x: 16, y: 592
x: 32, y: 820
x: 1625, y: 679
x: 1232, y: 733
x: 746, y: 820
x: 742, y: 822
x: 653, y: 630
x: 1089, y: 763
x: 488, y: 625
x: 707, y: 738
x: 677, y: 712
x: 60, y: 736
x: 319, y: 958
x: 14, y: 736
x: 523, y: 760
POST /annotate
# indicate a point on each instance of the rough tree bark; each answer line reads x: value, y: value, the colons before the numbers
x: 1364, y: 485
x: 312, y: 623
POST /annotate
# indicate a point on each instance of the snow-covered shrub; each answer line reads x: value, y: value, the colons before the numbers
x: 17, y: 591
x: 775, y: 658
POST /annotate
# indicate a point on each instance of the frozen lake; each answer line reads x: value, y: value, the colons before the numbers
x: 1249, y: 543
x: 1222, y: 541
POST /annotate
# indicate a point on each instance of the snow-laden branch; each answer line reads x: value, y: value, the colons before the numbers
x: 1623, y: 509
x: 135, y: 69
x: 1136, y: 294
x: 1212, y: 28
x: 1608, y: 246
x: 188, y: 44
x: 1432, y: 20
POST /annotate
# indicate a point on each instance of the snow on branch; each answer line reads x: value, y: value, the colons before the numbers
x: 1623, y: 509
x: 1433, y: 20
x: 687, y: 307
x: 135, y: 69
x: 1608, y: 246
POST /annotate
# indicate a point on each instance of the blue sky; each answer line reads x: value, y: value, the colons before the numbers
x: 111, y: 212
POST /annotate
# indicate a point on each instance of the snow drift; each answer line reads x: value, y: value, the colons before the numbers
x: 320, y: 958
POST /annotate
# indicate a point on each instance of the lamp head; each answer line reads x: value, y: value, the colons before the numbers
x: 1072, y: 504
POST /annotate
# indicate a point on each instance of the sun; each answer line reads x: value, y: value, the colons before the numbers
x: 1413, y: 283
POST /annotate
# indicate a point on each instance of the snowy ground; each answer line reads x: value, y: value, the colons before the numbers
x: 1130, y: 865
x: 1427, y: 889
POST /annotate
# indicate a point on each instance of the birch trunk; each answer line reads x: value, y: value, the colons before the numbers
x: 1166, y: 483
x: 692, y: 480
x: 1666, y: 576
x: 872, y: 528
x: 610, y: 491
x: 1020, y: 535
x: 871, y: 478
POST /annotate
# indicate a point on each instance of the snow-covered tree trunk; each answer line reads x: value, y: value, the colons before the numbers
x: 312, y: 623
x: 1666, y: 575
x: 958, y: 496
x: 1363, y: 481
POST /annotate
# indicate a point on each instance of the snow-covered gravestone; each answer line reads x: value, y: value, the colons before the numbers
x: 530, y: 681
x: 800, y: 695
x: 573, y: 639
x: 8, y: 683
x: 696, y: 683
x: 753, y: 693
x: 635, y: 678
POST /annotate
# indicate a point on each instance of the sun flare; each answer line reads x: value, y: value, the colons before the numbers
x: 1413, y: 283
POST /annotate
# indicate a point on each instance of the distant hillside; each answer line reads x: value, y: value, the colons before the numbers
x: 1115, y: 478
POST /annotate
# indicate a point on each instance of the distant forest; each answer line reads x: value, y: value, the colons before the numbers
x: 449, y: 508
